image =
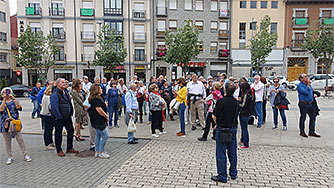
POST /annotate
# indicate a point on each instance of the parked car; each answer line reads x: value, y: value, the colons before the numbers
x: 282, y: 80
x: 21, y: 90
x: 318, y: 81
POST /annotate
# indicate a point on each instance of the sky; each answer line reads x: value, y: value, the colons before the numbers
x: 12, y: 6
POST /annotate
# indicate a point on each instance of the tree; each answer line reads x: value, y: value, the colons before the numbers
x: 319, y: 41
x: 3, y: 83
x: 261, y: 44
x: 37, y: 51
x: 182, y: 46
x: 111, y: 52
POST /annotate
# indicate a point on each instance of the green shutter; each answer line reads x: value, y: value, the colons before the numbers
x: 30, y: 10
x: 87, y: 12
x: 329, y: 21
x: 301, y: 21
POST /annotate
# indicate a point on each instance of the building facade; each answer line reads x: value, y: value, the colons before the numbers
x: 246, y: 19
x: 5, y: 42
x: 211, y: 17
x: 300, y: 15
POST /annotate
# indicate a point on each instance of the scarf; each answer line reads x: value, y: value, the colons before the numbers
x: 163, y: 115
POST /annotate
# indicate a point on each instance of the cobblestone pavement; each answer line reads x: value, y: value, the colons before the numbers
x: 49, y: 170
x: 191, y: 164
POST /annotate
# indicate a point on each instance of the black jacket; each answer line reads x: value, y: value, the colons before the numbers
x: 247, y: 107
x: 315, y: 104
x: 281, y: 99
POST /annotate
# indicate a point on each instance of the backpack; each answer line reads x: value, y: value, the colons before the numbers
x: 123, y: 99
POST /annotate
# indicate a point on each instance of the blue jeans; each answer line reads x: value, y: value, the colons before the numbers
x: 244, y: 130
x: 221, y: 159
x: 127, y: 119
x: 113, y: 110
x: 101, y: 139
x: 36, y: 109
x: 258, y: 112
x: 182, y: 108
x: 282, y: 113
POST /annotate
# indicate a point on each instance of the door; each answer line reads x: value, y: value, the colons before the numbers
x: 295, y: 67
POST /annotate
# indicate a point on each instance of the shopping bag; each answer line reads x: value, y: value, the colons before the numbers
x: 132, y: 126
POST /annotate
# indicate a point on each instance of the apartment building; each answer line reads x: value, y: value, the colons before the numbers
x: 211, y: 17
x: 300, y: 15
x: 247, y: 16
x: 5, y: 43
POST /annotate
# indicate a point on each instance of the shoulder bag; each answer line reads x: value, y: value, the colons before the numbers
x: 17, y: 122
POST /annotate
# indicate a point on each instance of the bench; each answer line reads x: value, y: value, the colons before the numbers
x: 329, y: 90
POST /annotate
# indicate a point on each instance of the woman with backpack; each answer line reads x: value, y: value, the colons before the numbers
x: 211, y: 101
x: 246, y: 105
x: 112, y: 102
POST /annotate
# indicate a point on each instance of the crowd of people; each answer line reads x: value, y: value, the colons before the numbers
x: 218, y: 102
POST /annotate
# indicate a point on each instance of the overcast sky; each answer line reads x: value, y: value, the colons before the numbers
x: 12, y: 7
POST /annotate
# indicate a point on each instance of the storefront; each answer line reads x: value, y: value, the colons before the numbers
x: 63, y: 73
x: 196, y: 68
x: 140, y: 72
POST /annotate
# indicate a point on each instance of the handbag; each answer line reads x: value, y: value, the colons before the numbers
x: 16, y: 122
x: 132, y: 126
x: 225, y: 135
x: 174, y: 104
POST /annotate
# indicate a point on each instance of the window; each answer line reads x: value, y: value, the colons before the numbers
x: 188, y: 5
x: 223, y: 26
x: 57, y: 8
x: 252, y: 25
x: 2, y: 16
x: 113, y: 7
x: 214, y: 26
x: 88, y: 54
x: 139, y: 33
x: 214, y: 5
x: 58, y: 30
x: 242, y: 30
x: 243, y: 4
x: 253, y: 4
x: 300, y: 13
x: 200, y: 46
x: 326, y: 13
x: 172, y: 24
x: 139, y: 11
x: 3, y: 57
x: 116, y: 25
x: 199, y: 25
x: 222, y: 45
x: 191, y: 22
x: 264, y: 4
x: 61, y: 55
x: 172, y: 4
x: 139, y: 54
x: 87, y: 4
x: 213, y: 46
x: 273, y: 28
x: 274, y: 4
x: 35, y: 27
x: 161, y: 25
x: 199, y: 5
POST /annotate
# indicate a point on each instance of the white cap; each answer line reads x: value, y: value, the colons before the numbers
x: 210, y: 77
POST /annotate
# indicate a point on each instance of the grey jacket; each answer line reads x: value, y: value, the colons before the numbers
x: 155, y: 102
x: 273, y: 94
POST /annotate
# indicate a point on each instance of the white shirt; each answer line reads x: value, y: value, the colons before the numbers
x: 141, y: 90
x: 122, y: 88
x: 196, y: 88
x: 259, y: 89
x: 86, y: 86
x: 236, y: 93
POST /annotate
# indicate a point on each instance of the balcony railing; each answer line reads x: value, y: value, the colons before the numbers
x: 88, y: 36
x: 161, y: 11
x: 223, y: 53
x: 139, y: 14
x: 59, y: 36
x: 139, y: 37
x: 113, y: 11
x: 87, y: 57
x: 31, y: 11
x: 57, y: 12
x: 87, y: 13
x: 161, y: 52
x: 160, y: 33
x: 139, y: 57
x: 223, y: 34
x: 224, y: 13
x: 327, y: 20
x: 60, y: 57
x: 300, y: 22
x: 297, y: 43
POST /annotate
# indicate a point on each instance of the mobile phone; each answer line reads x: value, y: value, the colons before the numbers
x: 7, y: 92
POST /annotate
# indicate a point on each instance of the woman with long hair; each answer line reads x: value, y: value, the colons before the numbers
x: 246, y: 104
x: 181, y: 97
x: 78, y: 100
x: 99, y: 119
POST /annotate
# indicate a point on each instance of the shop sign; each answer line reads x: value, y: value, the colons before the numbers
x: 63, y: 71
x: 140, y: 67
x: 194, y: 64
x: 18, y: 73
x: 120, y: 67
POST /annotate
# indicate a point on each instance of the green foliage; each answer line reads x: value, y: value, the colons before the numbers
x: 111, y: 52
x: 261, y: 44
x: 182, y: 46
x: 3, y: 83
x: 37, y: 51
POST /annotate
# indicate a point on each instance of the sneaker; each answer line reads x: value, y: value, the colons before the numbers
x: 155, y: 135
x: 96, y: 154
x: 243, y: 147
x: 274, y: 126
x: 104, y: 155
x: 49, y: 147
x: 164, y: 132
x: 9, y: 160
x: 181, y: 134
x: 201, y: 139
x: 193, y: 128
x: 27, y: 158
x: 285, y: 128
x: 241, y: 143
x: 52, y: 144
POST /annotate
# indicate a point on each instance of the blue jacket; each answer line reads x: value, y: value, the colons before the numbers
x: 34, y: 93
x: 112, y: 97
x: 104, y: 89
x: 61, y: 105
x: 40, y: 95
x: 305, y: 93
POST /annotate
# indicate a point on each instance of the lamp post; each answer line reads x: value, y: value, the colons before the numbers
x: 100, y: 30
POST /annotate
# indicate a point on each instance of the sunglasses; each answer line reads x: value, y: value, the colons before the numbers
x: 275, y: 81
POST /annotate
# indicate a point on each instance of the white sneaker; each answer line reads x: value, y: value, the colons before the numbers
x: 164, y: 132
x: 27, y: 158
x: 104, y: 155
x: 9, y: 160
x: 49, y: 147
x: 155, y: 135
x: 96, y: 154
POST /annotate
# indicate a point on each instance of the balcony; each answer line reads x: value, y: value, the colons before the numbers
x: 300, y: 22
x: 60, y: 58
x: 87, y: 58
x: 161, y: 11
x: 161, y: 52
x: 87, y: 13
x: 327, y: 20
x: 59, y: 36
x: 296, y: 45
x: 32, y: 12
x: 113, y: 11
x: 223, y: 53
x: 139, y: 57
x: 139, y: 15
x: 57, y: 13
x: 161, y: 34
x: 224, y: 13
x: 139, y: 37
x: 223, y: 34
x: 88, y: 36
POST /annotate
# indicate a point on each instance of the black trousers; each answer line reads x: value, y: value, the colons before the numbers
x: 140, y: 104
x: 48, y: 124
x: 304, y: 109
x: 59, y: 124
x: 209, y: 121
x: 264, y: 111
x: 156, y: 121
